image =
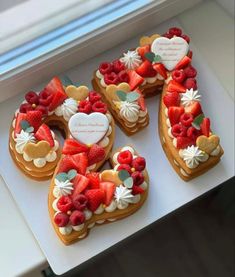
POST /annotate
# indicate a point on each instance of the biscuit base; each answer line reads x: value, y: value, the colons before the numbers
x: 116, y: 215
x: 172, y: 153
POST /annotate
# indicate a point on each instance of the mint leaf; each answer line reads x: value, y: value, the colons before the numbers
x: 62, y: 177
x: 24, y: 125
x: 71, y: 174
x: 128, y: 183
x: 29, y: 129
x: 123, y: 175
x: 121, y: 95
x: 149, y: 56
x: 157, y: 59
x: 132, y: 96
x: 66, y: 81
x: 197, y: 121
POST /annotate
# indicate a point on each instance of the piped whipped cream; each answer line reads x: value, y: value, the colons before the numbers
x: 192, y: 155
x: 131, y: 59
x: 22, y: 139
x: 190, y: 96
x: 62, y: 188
x: 67, y: 109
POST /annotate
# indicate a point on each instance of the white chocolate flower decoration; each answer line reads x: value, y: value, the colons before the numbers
x: 190, y: 96
x: 192, y: 155
x: 22, y: 139
x: 131, y: 59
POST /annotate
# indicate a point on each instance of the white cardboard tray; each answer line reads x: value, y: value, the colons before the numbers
x: 167, y: 190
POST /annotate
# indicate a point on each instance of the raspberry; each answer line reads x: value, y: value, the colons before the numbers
x: 187, y: 38
x: 61, y: 219
x: 190, y: 71
x: 79, y: 202
x: 26, y: 107
x: 45, y: 98
x: 32, y: 98
x: 99, y: 107
x: 94, y: 97
x: 186, y: 119
x: 167, y: 35
x: 64, y: 204
x: 111, y: 79
x: 175, y: 31
x: 85, y: 106
x: 118, y: 66
x: 77, y: 218
x: 193, y: 133
x: 178, y: 75
x: 138, y: 178
x: 125, y: 157
x: 190, y: 83
x: 179, y: 130
x: 124, y: 167
x: 105, y: 68
x: 42, y: 109
x: 123, y: 76
x: 139, y: 163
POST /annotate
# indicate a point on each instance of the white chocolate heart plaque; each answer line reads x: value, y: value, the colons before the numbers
x: 171, y: 50
x: 88, y: 128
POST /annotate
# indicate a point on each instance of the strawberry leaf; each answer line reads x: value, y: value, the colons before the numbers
x: 62, y: 177
x: 197, y: 121
x: 150, y: 56
x: 71, y: 174
x: 132, y: 96
x: 121, y: 95
x: 123, y: 175
x: 128, y: 183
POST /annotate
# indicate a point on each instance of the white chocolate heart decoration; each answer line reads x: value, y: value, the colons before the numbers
x: 88, y: 128
x: 171, y: 50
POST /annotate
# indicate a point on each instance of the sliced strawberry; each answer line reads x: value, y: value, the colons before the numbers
x: 137, y: 190
x: 66, y: 164
x: 171, y: 99
x: 146, y: 69
x: 205, y: 126
x: 175, y: 86
x: 96, y: 154
x: 183, y: 63
x: 20, y: 117
x: 55, y: 87
x: 160, y: 68
x: 44, y: 133
x: 72, y: 146
x: 94, y: 179
x: 135, y: 79
x: 80, y: 162
x: 95, y: 198
x: 184, y: 142
x: 80, y: 183
x: 141, y: 100
x: 109, y: 189
x: 195, y: 109
x: 143, y: 50
x: 35, y: 119
x: 174, y: 114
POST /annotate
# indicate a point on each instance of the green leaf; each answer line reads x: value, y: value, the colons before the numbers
x: 150, y: 56
x: 123, y: 175
x: 132, y: 96
x: 29, y: 129
x: 121, y: 95
x: 24, y: 124
x: 66, y: 81
x: 62, y: 177
x: 128, y: 183
x: 157, y: 59
x: 71, y: 174
x: 197, y: 121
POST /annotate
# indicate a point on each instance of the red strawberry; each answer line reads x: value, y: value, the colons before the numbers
x: 137, y: 190
x: 96, y: 154
x: 99, y: 107
x: 187, y: 38
x: 123, y: 76
x: 25, y: 107
x: 85, y: 107
x: 77, y: 218
x: 44, y: 133
x: 195, y: 109
x: 141, y: 100
x: 20, y: 117
x: 64, y: 204
x: 171, y: 99
x: 205, y: 126
x: 61, y: 219
x: 190, y: 83
x: 94, y: 180
x: 78, y: 162
x: 184, y: 142
x: 174, y: 114
x: 178, y: 75
x: 135, y: 79
x: 139, y: 163
x: 125, y: 157
x: 179, y: 130
x: 105, y: 68
x: 55, y: 87
x: 72, y: 146
x: 111, y: 78
x: 118, y: 66
x: 146, y: 69
x: 183, y: 63
x: 94, y: 96
x: 80, y: 183
x: 79, y: 201
x: 175, y: 86
x: 175, y: 31
x: 35, y: 119
x: 109, y: 189
x: 160, y: 68
x: 95, y: 198
x: 143, y: 50
x: 186, y: 119
x: 126, y: 167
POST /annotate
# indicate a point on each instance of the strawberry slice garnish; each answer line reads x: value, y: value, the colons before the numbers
x: 175, y: 86
x: 205, y: 126
x: 96, y: 154
x: 146, y: 69
x: 171, y: 99
x: 143, y: 50
x: 35, y: 119
x: 78, y: 162
x: 80, y: 183
x: 183, y: 63
x: 44, y: 133
x: 94, y: 179
x: 135, y: 79
x: 95, y: 198
x: 55, y: 87
x: 141, y: 100
x: 184, y: 142
x: 20, y: 117
x: 174, y: 114
x: 109, y: 189
x: 160, y: 68
x: 72, y: 146
x: 195, y: 109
